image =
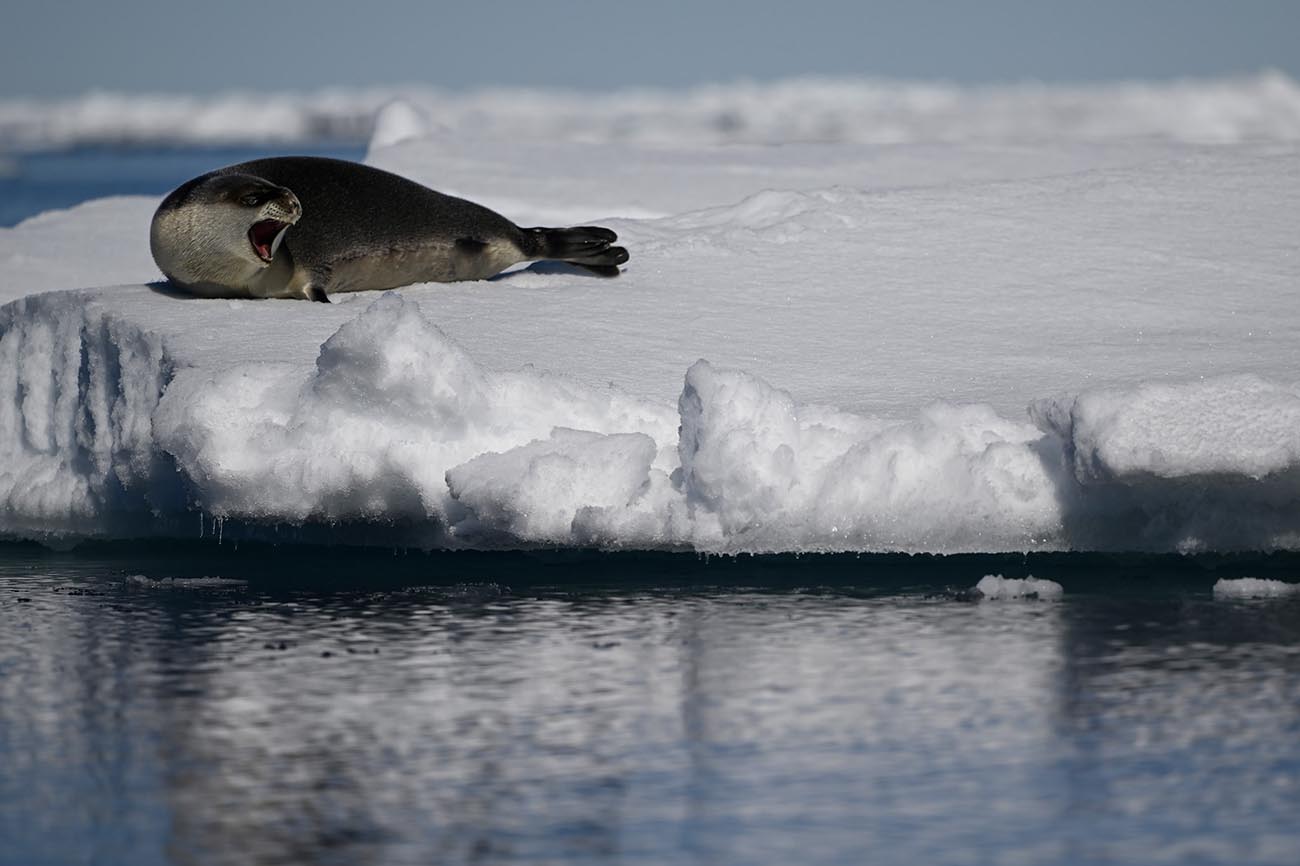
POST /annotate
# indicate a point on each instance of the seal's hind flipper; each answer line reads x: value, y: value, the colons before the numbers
x: 567, y: 243
x: 601, y: 261
x: 589, y: 247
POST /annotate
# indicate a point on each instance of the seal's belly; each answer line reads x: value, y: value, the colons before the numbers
x: 391, y: 269
x: 434, y: 263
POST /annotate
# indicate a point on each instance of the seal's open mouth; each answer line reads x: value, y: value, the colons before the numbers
x: 265, y: 237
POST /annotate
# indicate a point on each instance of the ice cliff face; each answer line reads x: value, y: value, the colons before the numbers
x: 398, y: 429
x: 78, y: 391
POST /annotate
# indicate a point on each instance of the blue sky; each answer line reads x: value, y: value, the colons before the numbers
x: 61, y: 48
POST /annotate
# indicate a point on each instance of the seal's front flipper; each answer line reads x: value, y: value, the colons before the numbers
x: 316, y: 293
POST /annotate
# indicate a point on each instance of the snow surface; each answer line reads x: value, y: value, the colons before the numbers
x: 1017, y: 331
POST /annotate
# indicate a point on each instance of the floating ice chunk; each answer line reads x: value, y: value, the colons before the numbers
x: 995, y: 586
x: 141, y: 581
x: 1254, y: 587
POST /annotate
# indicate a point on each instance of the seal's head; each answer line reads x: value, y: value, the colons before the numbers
x: 216, y: 235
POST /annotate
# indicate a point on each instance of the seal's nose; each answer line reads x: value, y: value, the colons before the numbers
x: 291, y: 203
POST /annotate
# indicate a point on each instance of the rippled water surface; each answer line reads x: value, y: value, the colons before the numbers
x: 278, y: 707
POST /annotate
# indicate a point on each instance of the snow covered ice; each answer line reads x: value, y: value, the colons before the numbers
x: 962, y: 320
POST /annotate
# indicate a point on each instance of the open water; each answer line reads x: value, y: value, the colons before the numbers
x: 206, y: 704
x: 31, y: 183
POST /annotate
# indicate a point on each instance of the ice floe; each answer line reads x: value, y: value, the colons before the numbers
x: 953, y: 346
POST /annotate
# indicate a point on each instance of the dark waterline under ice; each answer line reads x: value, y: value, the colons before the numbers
x: 203, y: 704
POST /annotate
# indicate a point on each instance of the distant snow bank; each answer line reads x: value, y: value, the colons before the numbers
x: 1255, y: 587
x: 1265, y: 106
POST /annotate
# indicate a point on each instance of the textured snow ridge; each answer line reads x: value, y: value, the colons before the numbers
x: 395, y: 425
x: 1265, y: 106
x: 370, y: 432
x: 764, y: 472
x: 78, y: 389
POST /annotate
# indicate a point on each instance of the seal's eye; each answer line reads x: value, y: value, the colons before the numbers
x: 250, y: 199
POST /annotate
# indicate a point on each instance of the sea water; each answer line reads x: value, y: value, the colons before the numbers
x: 213, y: 704
x: 31, y: 183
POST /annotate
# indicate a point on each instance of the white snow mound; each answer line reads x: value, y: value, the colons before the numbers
x: 372, y: 430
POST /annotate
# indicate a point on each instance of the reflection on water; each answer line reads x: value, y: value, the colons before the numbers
x: 206, y: 722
